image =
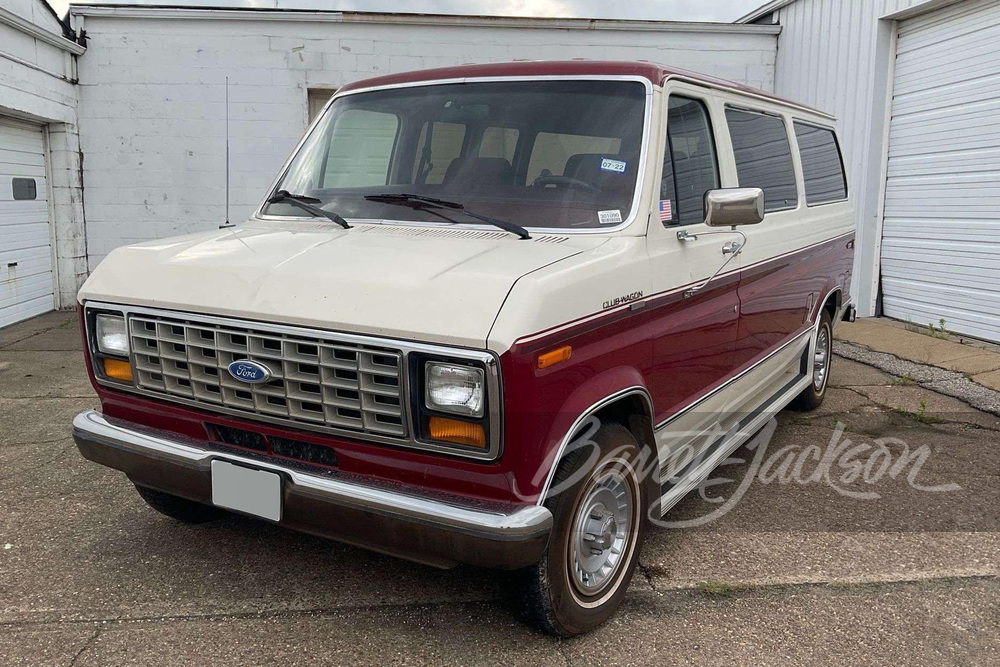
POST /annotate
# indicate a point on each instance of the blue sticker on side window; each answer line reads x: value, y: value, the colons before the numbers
x: 617, y: 166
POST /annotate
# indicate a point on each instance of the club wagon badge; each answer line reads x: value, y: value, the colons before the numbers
x: 250, y: 372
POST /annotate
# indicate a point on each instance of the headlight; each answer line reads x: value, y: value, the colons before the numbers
x: 460, y: 390
x: 112, y: 335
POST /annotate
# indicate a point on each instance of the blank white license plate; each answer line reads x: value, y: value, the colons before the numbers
x: 246, y: 490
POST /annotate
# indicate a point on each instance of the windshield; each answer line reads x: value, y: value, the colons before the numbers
x: 547, y: 154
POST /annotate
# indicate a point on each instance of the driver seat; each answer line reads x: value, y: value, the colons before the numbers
x: 476, y: 173
x: 586, y: 167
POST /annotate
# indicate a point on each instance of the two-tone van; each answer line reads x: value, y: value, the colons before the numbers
x: 503, y: 315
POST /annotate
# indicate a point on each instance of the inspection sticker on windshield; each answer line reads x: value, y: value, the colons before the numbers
x: 617, y: 166
x: 609, y: 217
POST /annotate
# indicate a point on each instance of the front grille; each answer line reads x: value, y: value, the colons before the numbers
x: 315, y: 382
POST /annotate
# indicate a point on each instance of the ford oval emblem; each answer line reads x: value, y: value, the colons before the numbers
x: 250, y: 372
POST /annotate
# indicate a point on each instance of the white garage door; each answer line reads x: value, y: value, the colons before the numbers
x: 25, y: 246
x: 941, y: 238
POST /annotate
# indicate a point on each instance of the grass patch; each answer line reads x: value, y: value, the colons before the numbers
x: 921, y: 415
x: 934, y: 331
x: 719, y: 588
x: 904, y: 381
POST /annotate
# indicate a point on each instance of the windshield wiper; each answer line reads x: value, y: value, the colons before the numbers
x: 419, y: 201
x: 306, y: 204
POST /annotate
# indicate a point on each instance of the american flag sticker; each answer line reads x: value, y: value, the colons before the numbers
x: 666, y: 210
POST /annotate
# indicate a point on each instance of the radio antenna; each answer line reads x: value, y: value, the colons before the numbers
x: 227, y: 152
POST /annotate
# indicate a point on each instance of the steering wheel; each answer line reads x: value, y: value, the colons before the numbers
x: 564, y: 181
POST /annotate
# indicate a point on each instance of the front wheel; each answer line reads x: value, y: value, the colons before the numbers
x: 599, y: 511
x: 822, y: 351
x: 179, y: 509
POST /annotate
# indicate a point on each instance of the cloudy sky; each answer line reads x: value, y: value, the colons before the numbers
x: 673, y: 10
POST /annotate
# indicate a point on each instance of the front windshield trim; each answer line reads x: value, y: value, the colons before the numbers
x: 640, y: 177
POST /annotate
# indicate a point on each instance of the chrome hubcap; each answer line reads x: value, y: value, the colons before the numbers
x: 603, y: 526
x: 821, y: 358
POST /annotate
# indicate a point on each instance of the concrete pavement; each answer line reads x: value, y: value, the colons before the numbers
x: 797, y: 571
x: 973, y: 359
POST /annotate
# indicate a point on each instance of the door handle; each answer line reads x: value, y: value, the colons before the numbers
x: 730, y: 251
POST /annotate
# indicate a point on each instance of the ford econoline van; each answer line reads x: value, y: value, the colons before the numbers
x: 505, y: 315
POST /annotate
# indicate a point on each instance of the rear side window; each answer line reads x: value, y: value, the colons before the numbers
x: 822, y: 166
x: 690, y: 167
x: 763, y: 157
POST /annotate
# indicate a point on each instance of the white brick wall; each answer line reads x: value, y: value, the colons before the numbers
x: 152, y: 99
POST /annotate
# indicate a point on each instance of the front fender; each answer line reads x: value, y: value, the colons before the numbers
x: 605, y: 389
x: 544, y: 409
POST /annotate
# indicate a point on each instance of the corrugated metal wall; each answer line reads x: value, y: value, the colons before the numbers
x: 941, y: 234
x: 835, y: 55
x: 826, y: 52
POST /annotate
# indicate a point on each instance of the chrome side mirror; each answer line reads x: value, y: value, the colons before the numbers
x: 732, y: 207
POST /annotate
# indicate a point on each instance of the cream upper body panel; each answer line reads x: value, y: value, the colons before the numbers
x: 441, y: 286
x: 605, y: 278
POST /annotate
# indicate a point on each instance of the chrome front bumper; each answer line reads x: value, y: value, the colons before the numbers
x: 410, y: 523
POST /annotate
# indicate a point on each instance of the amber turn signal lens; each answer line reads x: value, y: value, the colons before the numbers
x: 118, y: 370
x: 555, y: 356
x: 459, y: 432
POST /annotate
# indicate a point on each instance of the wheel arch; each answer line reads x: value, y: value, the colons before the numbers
x: 630, y: 405
x: 833, y: 303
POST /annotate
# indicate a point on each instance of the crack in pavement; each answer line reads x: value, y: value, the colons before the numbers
x: 645, y: 573
x: 40, y: 332
x: 42, y: 464
x: 929, y: 386
x: 939, y: 380
x: 36, y: 351
x: 49, y: 397
x: 659, y: 598
x: 889, y: 407
x: 57, y: 397
x: 37, y: 442
x: 87, y: 644
x: 813, y: 420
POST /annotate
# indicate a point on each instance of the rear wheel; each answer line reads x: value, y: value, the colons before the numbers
x: 822, y: 351
x: 178, y: 508
x: 599, y: 511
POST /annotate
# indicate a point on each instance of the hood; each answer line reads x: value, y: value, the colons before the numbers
x: 442, y: 285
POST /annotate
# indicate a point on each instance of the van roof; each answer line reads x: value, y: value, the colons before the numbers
x: 653, y: 72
